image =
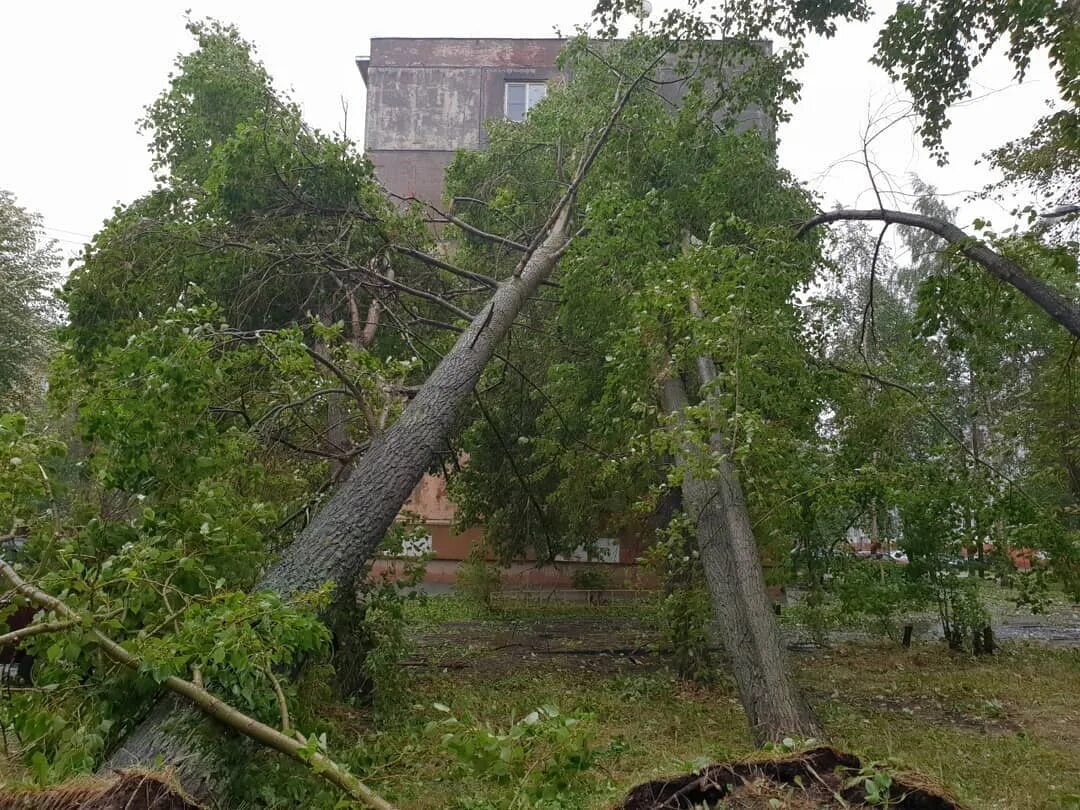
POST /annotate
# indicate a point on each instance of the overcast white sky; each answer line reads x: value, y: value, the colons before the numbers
x: 75, y: 76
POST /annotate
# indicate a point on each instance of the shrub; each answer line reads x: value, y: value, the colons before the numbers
x: 383, y: 630
x: 880, y: 592
x: 590, y: 578
x: 477, y: 578
x: 684, y: 613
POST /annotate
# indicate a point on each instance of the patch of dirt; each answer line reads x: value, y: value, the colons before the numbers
x: 129, y: 790
x: 604, y: 645
x: 820, y: 778
x: 616, y: 645
x: 928, y: 709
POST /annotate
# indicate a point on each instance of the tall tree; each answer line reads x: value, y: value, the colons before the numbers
x: 585, y: 411
x: 28, y: 311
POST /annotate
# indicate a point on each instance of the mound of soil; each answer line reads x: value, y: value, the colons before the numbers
x: 809, y: 780
x: 128, y: 790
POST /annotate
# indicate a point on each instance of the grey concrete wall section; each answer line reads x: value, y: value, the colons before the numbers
x: 427, y: 98
x: 435, y: 94
x: 423, y: 108
x: 413, y: 172
x: 475, y: 52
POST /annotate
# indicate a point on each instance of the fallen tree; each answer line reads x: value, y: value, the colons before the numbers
x: 1000, y: 267
x: 286, y: 741
x: 343, y: 535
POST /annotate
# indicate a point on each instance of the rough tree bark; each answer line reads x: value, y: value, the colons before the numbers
x: 747, y: 624
x: 1037, y: 291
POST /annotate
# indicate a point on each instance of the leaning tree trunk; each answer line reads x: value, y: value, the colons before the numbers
x: 343, y: 535
x: 345, y: 532
x: 747, y: 624
x: 336, y: 545
x: 1043, y: 295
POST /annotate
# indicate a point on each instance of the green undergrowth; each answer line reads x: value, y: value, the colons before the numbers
x: 1002, y: 732
x: 437, y: 610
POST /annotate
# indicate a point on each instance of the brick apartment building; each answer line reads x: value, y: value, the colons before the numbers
x: 427, y: 99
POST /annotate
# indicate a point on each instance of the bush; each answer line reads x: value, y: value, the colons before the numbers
x: 477, y: 579
x: 590, y: 578
x: 818, y: 613
x: 963, y: 616
x: 383, y: 631
x: 880, y: 592
x: 684, y: 613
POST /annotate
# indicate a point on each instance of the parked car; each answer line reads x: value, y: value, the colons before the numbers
x: 897, y: 556
x: 11, y: 656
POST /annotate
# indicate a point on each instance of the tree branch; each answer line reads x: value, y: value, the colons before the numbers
x: 283, y: 704
x: 465, y: 226
x: 239, y: 722
x: 299, y: 403
x: 30, y: 630
x: 434, y: 261
x: 1037, y: 291
x: 405, y: 288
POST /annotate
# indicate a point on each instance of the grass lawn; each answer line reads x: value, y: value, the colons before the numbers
x: 1001, y: 732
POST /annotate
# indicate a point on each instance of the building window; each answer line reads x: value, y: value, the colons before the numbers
x: 417, y: 547
x: 604, y: 550
x: 522, y: 97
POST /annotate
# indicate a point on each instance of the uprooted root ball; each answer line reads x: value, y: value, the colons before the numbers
x: 128, y: 790
x: 809, y: 780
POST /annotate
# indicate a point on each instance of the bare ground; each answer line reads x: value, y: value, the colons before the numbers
x: 602, y: 644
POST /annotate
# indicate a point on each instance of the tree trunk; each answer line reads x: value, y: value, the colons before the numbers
x: 774, y: 706
x: 875, y: 534
x: 335, y: 546
x: 341, y: 538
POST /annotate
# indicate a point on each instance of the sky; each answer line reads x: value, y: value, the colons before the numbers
x: 75, y: 77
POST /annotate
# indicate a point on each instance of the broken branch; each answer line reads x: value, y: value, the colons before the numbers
x: 1037, y: 291
x: 261, y: 733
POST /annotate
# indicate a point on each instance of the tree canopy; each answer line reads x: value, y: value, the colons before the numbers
x: 28, y: 312
x: 624, y: 323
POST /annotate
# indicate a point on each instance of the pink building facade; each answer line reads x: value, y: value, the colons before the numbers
x: 616, y: 559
